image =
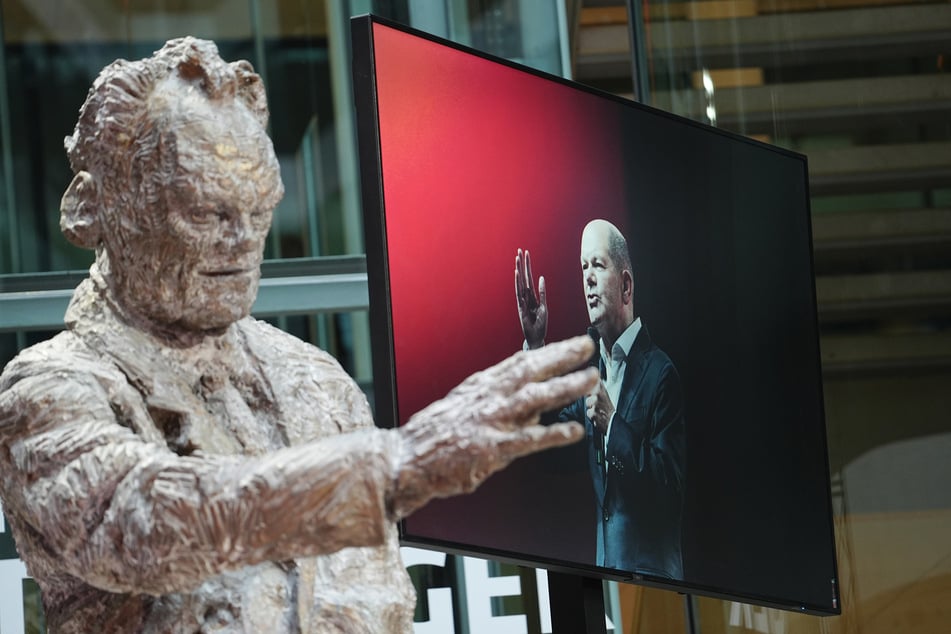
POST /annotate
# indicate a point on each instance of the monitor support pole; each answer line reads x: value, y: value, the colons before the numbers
x: 691, y: 617
x: 577, y: 604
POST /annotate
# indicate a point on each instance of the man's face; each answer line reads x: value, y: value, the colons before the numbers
x: 196, y: 264
x: 603, y: 283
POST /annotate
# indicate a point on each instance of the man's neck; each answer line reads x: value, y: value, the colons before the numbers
x: 610, y: 335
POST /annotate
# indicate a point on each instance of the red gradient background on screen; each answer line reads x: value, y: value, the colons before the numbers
x: 483, y: 177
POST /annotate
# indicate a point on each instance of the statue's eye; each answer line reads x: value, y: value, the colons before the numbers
x: 201, y: 215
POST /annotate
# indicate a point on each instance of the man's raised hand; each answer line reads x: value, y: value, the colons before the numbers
x: 532, y: 308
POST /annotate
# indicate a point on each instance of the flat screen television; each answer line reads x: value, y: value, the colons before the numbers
x: 720, y: 451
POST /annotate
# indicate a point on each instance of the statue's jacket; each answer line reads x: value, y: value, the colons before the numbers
x: 236, y: 486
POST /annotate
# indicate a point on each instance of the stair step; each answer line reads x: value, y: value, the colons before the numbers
x: 788, y: 38
x: 835, y: 105
x: 880, y: 168
x: 880, y: 228
x: 868, y: 297
x: 885, y: 352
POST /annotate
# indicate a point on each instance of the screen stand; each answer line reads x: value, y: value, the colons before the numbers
x: 577, y: 604
x: 691, y: 625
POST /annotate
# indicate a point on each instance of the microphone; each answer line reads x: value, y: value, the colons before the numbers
x: 596, y: 338
x: 595, y: 361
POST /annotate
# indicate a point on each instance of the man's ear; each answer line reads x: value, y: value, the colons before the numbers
x: 627, y: 286
x: 79, y: 213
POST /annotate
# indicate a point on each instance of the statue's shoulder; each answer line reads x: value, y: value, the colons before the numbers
x: 296, y: 362
x: 270, y: 344
x: 64, y: 355
x: 306, y: 380
x: 54, y: 380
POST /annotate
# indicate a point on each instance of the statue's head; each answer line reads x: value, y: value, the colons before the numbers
x: 175, y: 184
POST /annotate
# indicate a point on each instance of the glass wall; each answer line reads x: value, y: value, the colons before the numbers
x: 862, y: 88
x: 51, y: 54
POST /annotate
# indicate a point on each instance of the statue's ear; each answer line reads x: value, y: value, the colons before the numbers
x: 79, y: 218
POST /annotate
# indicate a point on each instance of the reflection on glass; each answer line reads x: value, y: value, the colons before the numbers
x: 862, y: 88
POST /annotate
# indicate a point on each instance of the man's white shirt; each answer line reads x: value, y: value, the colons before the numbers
x: 615, y: 364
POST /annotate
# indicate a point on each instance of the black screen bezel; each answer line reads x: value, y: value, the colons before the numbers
x: 381, y: 321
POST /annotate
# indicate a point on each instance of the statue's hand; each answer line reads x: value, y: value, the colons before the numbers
x: 490, y: 419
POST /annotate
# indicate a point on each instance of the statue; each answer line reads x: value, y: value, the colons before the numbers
x: 170, y: 464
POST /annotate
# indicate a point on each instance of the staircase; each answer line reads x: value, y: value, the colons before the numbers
x: 863, y: 88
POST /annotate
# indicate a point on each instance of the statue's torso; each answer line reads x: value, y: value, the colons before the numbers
x: 254, y: 392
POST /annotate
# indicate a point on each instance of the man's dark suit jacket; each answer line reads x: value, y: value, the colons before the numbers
x: 639, y: 484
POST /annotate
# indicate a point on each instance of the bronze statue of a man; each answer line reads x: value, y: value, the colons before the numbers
x: 169, y: 464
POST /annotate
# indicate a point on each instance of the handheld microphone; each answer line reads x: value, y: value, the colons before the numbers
x: 596, y: 338
x: 595, y: 361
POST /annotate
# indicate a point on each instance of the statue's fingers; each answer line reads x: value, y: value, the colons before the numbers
x: 537, y: 438
x: 534, y: 398
x: 528, y: 366
x: 557, y: 358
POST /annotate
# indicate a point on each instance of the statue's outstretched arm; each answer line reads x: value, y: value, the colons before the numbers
x: 128, y: 515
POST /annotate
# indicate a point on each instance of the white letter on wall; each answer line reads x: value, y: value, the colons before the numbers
x: 440, y: 599
x: 12, y: 574
x: 480, y: 589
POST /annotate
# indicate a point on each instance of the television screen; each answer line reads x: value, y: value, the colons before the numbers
x: 506, y: 208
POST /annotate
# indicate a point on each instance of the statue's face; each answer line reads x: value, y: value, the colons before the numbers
x: 197, y: 267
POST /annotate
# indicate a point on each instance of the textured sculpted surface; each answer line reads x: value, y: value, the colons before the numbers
x: 170, y: 464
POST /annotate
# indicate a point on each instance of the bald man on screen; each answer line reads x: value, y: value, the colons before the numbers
x: 634, y: 419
